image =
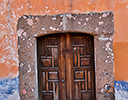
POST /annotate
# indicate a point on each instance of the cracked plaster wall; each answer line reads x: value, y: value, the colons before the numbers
x: 11, y: 10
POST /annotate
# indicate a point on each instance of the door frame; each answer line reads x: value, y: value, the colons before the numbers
x: 100, y: 25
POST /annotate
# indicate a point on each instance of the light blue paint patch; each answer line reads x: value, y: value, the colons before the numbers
x: 121, y: 90
x: 9, y: 88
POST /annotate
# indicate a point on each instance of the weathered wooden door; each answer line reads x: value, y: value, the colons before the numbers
x: 66, y: 67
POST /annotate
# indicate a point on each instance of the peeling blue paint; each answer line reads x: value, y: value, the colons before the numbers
x: 121, y: 90
x: 9, y: 88
x: 121, y: 85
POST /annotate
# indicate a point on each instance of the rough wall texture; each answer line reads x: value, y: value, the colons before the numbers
x: 11, y: 10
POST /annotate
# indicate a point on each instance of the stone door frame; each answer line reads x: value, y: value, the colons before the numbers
x: 100, y: 25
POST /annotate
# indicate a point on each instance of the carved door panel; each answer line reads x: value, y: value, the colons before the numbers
x: 65, y: 66
x: 83, y: 68
x: 51, y: 67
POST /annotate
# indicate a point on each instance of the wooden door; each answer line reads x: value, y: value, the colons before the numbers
x: 66, y: 67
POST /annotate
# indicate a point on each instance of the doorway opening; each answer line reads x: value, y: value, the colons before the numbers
x: 31, y: 28
x: 66, y: 67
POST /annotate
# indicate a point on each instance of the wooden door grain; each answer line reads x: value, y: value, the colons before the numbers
x: 66, y: 67
x: 83, y: 66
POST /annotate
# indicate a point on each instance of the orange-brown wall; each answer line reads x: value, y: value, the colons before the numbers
x: 11, y: 10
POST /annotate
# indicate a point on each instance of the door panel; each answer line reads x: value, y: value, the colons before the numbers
x: 66, y: 67
x: 48, y: 63
x: 83, y: 66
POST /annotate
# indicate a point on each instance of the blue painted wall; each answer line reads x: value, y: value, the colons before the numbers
x: 9, y: 88
x: 121, y: 90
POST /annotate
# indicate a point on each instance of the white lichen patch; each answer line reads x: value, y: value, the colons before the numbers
x: 24, y: 17
x: 108, y: 56
x: 19, y: 32
x: 54, y: 18
x: 100, y: 17
x: 29, y: 69
x: 111, y: 54
x: 69, y: 16
x: 111, y: 38
x: 30, y: 44
x: 107, y: 45
x: 24, y: 34
x: 104, y: 31
x: 102, y: 38
x: 101, y: 22
x: 105, y: 14
x: 73, y: 17
x: 30, y: 21
x: 35, y: 35
x: 57, y: 29
x: 61, y: 23
x: 43, y: 28
x: 84, y: 24
x: 29, y: 39
x: 87, y: 19
x: 18, y: 47
x: 96, y: 29
x: 37, y: 18
x: 79, y: 23
x: 21, y: 64
x: 61, y: 15
x: 53, y: 29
